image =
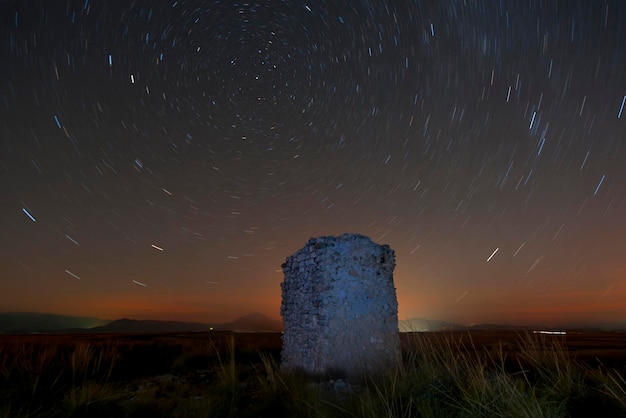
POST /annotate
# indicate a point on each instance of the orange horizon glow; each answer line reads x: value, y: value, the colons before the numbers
x: 553, y: 308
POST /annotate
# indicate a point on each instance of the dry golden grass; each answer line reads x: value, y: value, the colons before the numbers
x: 238, y: 375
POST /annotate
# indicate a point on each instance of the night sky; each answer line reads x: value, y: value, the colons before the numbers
x: 161, y: 159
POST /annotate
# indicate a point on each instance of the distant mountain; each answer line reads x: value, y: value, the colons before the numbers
x: 30, y: 322
x: 151, y: 326
x: 254, y: 322
x: 424, y: 325
x: 502, y: 327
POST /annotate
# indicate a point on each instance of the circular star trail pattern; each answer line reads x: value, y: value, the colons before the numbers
x: 161, y: 159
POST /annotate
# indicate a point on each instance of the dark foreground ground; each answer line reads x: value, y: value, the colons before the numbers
x: 447, y: 373
x: 593, y: 348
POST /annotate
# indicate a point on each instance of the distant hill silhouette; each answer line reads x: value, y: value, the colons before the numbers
x: 424, y: 325
x: 153, y: 326
x: 31, y: 322
x: 502, y: 327
x: 254, y: 322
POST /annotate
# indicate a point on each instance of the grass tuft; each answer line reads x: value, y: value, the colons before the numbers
x: 238, y: 375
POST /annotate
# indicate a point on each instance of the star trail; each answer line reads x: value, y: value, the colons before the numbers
x: 161, y: 159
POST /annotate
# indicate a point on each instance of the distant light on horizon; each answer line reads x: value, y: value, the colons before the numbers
x: 550, y: 332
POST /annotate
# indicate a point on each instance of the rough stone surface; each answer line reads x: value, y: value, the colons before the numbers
x: 339, y: 307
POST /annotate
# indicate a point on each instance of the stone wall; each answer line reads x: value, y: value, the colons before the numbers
x: 339, y: 307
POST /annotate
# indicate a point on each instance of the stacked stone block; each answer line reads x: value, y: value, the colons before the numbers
x: 339, y: 307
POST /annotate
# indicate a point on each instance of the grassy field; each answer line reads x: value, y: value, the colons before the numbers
x: 222, y: 374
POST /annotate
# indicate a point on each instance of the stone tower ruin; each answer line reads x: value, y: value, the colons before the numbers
x: 339, y: 307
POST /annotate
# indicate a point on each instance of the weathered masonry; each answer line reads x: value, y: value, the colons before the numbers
x: 339, y: 307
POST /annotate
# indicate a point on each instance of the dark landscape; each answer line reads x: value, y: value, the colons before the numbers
x: 236, y: 374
